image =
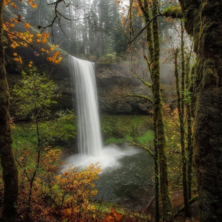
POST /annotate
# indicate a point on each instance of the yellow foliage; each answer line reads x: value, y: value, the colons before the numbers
x: 18, y: 59
x: 25, y: 39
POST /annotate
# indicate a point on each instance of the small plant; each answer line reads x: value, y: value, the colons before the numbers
x: 34, y: 94
x: 55, y: 196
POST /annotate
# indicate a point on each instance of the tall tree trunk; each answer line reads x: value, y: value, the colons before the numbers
x: 189, y: 129
x: 145, y: 8
x: 156, y: 166
x: 166, y: 199
x: 208, y: 108
x: 182, y: 128
x: 154, y: 66
x: 203, y: 21
x: 10, y: 174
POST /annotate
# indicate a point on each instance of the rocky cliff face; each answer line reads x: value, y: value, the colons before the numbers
x: 111, y: 79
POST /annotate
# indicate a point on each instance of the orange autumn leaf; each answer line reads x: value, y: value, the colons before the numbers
x: 118, y: 217
x: 109, y: 218
x: 56, y: 53
x: 15, y: 21
x: 44, y: 40
x: 18, y: 38
x: 18, y: 59
x: 45, y: 35
x: 14, y: 5
x: 27, y: 25
x: 34, y: 5
x: 113, y: 216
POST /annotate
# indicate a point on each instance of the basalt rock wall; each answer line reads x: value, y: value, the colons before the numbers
x: 109, y: 78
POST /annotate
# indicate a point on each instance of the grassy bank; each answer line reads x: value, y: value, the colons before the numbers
x: 117, y: 129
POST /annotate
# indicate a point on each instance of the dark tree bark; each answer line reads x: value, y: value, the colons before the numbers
x: 204, y: 22
x: 154, y: 67
x: 182, y: 128
x: 10, y: 174
x: 158, y: 109
x: 189, y: 129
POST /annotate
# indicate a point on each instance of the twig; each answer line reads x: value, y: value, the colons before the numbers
x: 180, y: 211
x: 145, y: 148
x: 139, y: 96
x: 141, y: 31
x: 149, y: 204
x: 23, y: 41
x: 143, y: 81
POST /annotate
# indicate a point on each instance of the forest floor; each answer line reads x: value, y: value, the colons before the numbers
x: 115, y: 130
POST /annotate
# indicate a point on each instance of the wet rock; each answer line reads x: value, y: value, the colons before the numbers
x: 109, y: 78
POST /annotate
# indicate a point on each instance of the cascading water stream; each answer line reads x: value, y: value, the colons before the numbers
x: 120, y: 165
x: 90, y: 144
x: 89, y: 133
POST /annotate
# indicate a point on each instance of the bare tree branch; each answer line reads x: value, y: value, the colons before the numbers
x: 136, y: 75
x: 139, y: 96
x: 141, y: 31
x: 144, y: 147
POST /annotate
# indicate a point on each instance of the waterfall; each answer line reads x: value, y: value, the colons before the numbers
x: 89, y: 134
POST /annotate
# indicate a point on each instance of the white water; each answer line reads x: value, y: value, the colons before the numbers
x: 89, y: 134
x: 90, y: 145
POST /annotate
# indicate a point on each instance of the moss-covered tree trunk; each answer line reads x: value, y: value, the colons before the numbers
x: 154, y: 51
x: 182, y: 128
x: 208, y: 112
x: 166, y: 199
x: 189, y: 129
x: 204, y: 22
x: 156, y: 167
x: 182, y: 135
x: 10, y: 175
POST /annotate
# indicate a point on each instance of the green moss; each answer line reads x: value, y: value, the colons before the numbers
x: 174, y: 12
x: 105, y: 208
x: 59, y: 130
x: 121, y: 126
x: 147, y: 138
x: 119, y: 129
x: 210, y: 75
x: 113, y: 140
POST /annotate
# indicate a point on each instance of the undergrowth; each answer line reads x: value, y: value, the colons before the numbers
x: 52, y: 132
x: 117, y: 129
